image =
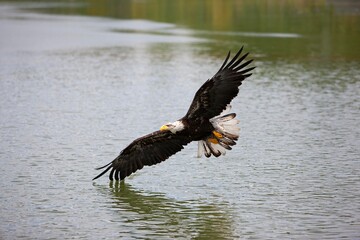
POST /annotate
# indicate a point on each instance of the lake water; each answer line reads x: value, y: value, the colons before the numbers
x: 79, y: 82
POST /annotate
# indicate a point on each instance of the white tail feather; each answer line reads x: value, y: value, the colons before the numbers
x: 218, y: 148
x: 200, y: 148
x: 226, y: 126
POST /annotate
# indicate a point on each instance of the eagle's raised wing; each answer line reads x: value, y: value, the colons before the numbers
x: 145, y: 151
x: 216, y: 93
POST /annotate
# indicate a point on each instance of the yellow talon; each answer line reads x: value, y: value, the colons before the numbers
x: 217, y: 134
x: 213, y: 140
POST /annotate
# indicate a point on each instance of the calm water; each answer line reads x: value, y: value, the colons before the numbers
x: 79, y: 82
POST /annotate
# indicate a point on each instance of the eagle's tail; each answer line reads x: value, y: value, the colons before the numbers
x: 222, y: 138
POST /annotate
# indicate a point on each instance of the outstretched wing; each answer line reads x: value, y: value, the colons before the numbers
x: 145, y: 151
x: 216, y: 93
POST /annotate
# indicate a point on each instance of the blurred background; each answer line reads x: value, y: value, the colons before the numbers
x: 302, y: 29
x: 81, y: 79
x: 321, y: 30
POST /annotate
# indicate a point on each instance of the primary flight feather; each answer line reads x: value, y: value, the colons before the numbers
x: 206, y: 121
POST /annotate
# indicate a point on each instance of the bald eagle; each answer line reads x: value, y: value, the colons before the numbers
x: 207, y: 121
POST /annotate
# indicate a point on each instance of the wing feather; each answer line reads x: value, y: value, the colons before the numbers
x: 228, y: 66
x: 216, y: 93
x: 226, y: 59
x: 145, y: 151
x: 240, y: 59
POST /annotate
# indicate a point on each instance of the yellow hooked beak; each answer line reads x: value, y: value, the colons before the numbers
x: 164, y: 128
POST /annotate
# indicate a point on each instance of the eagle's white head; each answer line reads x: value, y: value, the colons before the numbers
x: 173, y: 127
